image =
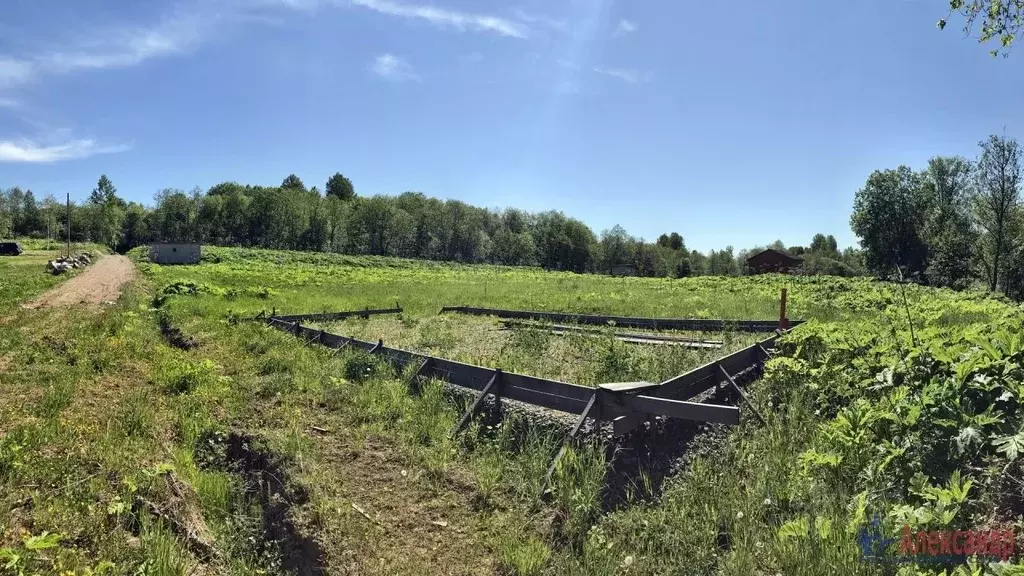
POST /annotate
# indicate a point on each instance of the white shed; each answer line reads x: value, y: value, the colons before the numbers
x: 175, y: 253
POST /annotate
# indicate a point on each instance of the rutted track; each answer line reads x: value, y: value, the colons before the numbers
x: 97, y: 284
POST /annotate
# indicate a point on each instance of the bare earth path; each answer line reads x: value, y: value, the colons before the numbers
x: 98, y: 283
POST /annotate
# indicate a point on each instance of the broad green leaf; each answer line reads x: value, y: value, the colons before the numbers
x: 1011, y: 446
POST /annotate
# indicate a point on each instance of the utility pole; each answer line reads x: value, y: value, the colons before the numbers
x: 69, y: 224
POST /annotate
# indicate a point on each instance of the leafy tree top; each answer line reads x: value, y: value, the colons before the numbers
x: 340, y: 186
x: 293, y: 182
x: 104, y: 193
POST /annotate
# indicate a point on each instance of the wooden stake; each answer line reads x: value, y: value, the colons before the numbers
x: 592, y: 406
x: 742, y: 395
x: 493, y: 384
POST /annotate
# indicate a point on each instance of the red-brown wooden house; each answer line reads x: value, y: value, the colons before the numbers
x: 772, y: 260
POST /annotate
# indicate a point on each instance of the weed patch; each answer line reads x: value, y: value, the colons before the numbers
x: 178, y: 376
x: 133, y: 417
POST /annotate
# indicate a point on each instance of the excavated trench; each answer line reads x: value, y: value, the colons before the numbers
x: 267, y: 484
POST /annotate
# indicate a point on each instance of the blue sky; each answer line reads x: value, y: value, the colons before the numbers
x: 733, y: 123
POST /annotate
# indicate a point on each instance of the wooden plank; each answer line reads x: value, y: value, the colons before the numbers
x: 628, y: 337
x: 626, y: 386
x: 549, y: 401
x: 629, y: 340
x: 538, y: 392
x: 492, y: 387
x: 691, y: 324
x: 581, y: 393
x: 675, y: 408
x: 703, y: 378
x: 653, y: 342
x: 625, y: 424
x: 466, y: 375
x: 401, y: 358
x: 333, y: 340
x: 585, y: 330
x: 332, y: 316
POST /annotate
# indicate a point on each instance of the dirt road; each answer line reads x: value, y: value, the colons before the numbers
x: 98, y: 283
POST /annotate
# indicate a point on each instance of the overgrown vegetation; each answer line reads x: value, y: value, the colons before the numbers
x: 155, y: 451
x: 955, y: 223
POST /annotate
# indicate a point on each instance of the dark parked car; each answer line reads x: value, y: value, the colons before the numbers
x: 10, y: 249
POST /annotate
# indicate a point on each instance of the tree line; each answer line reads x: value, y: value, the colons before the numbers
x: 955, y: 223
x: 411, y: 225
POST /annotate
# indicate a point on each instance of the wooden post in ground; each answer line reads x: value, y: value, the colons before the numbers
x: 783, y: 321
x: 69, y: 224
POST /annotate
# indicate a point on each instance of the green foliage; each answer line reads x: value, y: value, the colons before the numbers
x: 133, y: 417
x: 888, y: 217
x: 996, y: 20
x: 523, y: 555
x: 177, y: 376
x: 577, y: 484
x: 360, y: 367
x: 340, y: 187
x: 997, y: 206
x: 861, y: 421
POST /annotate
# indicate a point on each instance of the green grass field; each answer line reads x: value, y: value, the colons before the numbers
x: 120, y: 454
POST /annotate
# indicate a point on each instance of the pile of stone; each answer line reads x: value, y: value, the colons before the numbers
x: 61, y: 265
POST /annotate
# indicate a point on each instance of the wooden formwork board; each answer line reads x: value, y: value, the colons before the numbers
x: 333, y: 316
x: 630, y: 337
x: 688, y: 324
x: 626, y: 404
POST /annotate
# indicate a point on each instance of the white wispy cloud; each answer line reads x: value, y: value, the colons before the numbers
x: 9, y: 103
x: 446, y: 18
x: 14, y: 71
x: 625, y: 27
x: 393, y: 68
x: 553, y: 23
x: 128, y: 47
x: 112, y: 48
x: 26, y: 151
x: 625, y: 74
